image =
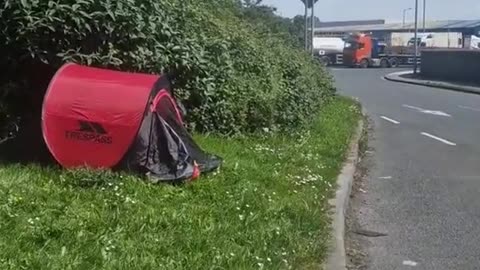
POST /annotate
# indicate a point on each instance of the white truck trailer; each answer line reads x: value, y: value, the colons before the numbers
x: 427, y: 40
x: 329, y: 50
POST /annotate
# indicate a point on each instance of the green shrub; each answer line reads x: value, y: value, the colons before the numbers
x: 231, y: 77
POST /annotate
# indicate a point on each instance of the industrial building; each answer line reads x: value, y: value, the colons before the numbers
x: 464, y: 29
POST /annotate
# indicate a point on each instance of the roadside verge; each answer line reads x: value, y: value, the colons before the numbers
x: 337, y: 256
x: 403, y: 78
x: 267, y: 207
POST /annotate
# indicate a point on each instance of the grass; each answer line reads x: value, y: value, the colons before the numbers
x: 265, y: 209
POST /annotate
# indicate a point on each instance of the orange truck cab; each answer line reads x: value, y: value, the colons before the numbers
x: 362, y: 50
x: 358, y: 50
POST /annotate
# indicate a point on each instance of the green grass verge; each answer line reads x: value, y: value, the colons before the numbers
x: 265, y: 209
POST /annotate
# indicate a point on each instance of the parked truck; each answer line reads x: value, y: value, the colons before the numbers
x: 362, y: 50
x: 438, y: 40
x: 329, y: 50
x: 472, y: 42
x: 426, y: 39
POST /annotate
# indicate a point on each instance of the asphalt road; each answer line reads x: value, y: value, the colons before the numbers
x: 424, y: 187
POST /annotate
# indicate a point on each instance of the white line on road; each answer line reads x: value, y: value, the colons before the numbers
x: 438, y: 138
x: 469, y: 108
x: 385, y: 177
x: 401, y: 72
x: 439, y: 113
x: 390, y: 120
x: 412, y: 107
x: 409, y: 263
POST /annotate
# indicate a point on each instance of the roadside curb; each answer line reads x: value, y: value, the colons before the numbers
x: 337, y: 259
x: 396, y: 77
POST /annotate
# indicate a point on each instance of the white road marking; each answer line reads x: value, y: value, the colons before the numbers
x: 409, y: 263
x: 469, y: 108
x: 438, y: 139
x: 390, y: 120
x: 385, y: 177
x: 412, y: 107
x: 439, y: 113
x: 401, y: 72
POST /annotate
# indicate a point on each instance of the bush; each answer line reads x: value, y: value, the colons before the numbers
x: 231, y: 77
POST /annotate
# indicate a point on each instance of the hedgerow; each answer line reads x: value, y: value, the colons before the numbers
x: 231, y: 77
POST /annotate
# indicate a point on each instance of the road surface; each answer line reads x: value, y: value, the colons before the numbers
x: 424, y: 187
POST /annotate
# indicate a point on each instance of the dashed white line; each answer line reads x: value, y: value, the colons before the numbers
x: 390, y: 120
x: 412, y: 107
x: 469, y: 108
x: 438, y: 139
x: 385, y: 177
x: 409, y: 263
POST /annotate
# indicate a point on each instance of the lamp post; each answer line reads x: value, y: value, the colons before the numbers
x: 404, y: 13
x: 306, y: 27
x: 424, y: 14
x: 415, y: 58
x: 313, y: 23
x: 309, y: 40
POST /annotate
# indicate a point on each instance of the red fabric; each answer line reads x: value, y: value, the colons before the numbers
x: 164, y: 94
x: 91, y: 116
x: 196, y: 171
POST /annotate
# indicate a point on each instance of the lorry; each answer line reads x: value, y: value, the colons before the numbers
x: 472, y: 42
x: 363, y: 50
x: 438, y: 40
x: 329, y: 50
x: 426, y: 39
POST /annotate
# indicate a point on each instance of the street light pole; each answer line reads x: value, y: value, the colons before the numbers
x: 404, y: 13
x: 415, y: 58
x: 424, y: 13
x: 306, y: 26
x: 313, y: 22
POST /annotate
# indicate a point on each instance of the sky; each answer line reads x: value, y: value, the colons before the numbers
x: 390, y: 10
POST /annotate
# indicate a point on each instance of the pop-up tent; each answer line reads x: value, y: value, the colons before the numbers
x: 109, y: 119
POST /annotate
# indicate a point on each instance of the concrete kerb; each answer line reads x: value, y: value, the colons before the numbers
x: 337, y: 259
x: 397, y: 77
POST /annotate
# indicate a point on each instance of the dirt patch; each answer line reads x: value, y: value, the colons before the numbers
x: 356, y: 243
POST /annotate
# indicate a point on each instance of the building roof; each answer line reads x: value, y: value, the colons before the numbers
x: 349, y: 23
x: 430, y: 25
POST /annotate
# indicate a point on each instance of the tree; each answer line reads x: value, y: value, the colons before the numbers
x: 250, y: 3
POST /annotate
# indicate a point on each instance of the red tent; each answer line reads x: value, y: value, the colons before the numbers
x: 102, y: 119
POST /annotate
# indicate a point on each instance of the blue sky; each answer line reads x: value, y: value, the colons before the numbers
x: 391, y: 10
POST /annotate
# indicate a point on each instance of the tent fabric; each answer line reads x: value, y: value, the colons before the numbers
x: 104, y: 119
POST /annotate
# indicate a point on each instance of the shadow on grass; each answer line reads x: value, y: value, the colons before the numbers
x: 27, y: 147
